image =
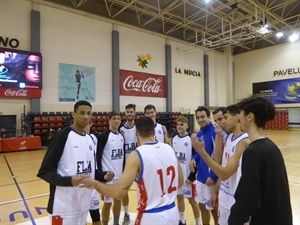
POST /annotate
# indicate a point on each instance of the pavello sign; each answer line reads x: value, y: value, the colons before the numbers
x: 285, y: 72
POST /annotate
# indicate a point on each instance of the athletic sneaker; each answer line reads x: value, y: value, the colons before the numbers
x: 126, y: 220
x: 181, y: 223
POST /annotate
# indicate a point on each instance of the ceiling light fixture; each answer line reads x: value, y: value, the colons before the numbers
x: 279, y: 34
x: 294, y: 37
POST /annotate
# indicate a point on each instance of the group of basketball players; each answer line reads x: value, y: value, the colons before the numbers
x: 231, y: 170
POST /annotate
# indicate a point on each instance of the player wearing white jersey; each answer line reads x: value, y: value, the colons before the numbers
x: 158, y: 174
x: 161, y: 133
x: 235, y: 145
x: 129, y: 133
x: 71, y: 154
x: 110, y: 156
x: 183, y: 147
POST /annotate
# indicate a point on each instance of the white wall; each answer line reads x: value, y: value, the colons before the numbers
x: 133, y: 44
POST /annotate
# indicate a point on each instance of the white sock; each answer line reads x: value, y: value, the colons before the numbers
x: 125, y: 208
x: 181, y: 217
x: 197, y: 221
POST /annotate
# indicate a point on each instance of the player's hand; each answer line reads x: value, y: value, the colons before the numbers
x: 109, y: 176
x: 89, y: 182
x: 209, y: 182
x: 214, y: 200
x: 219, y: 130
x: 192, y: 165
x: 188, y: 181
x: 198, y: 144
x: 76, y: 180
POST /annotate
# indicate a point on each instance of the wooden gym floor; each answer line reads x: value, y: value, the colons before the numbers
x: 23, y: 196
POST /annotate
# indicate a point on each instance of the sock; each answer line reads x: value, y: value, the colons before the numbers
x: 197, y: 221
x: 125, y: 208
x: 116, y: 220
x: 181, y: 217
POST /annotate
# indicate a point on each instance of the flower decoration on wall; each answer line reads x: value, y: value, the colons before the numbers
x: 143, y: 60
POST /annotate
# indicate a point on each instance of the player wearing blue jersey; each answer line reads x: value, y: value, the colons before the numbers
x: 228, y: 174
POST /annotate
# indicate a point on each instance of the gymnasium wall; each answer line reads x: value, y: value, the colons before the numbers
x: 259, y: 66
x: 74, y: 38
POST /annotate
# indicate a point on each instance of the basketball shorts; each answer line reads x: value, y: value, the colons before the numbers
x: 80, y: 218
x: 204, y: 194
x: 95, y: 201
x: 188, y: 190
x: 106, y: 199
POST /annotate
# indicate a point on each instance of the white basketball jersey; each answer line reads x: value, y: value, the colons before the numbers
x: 158, y: 179
x: 228, y: 187
x: 159, y: 133
x: 113, y: 154
x: 183, y: 149
x: 130, y: 138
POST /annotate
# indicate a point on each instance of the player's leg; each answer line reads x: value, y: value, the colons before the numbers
x: 116, y: 211
x: 181, y: 209
x: 196, y: 210
x: 205, y: 213
x: 125, y: 203
x: 106, y: 209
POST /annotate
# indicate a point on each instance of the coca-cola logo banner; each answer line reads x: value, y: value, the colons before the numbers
x: 134, y: 83
x: 20, y: 93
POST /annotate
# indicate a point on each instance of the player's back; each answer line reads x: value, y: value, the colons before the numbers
x: 158, y: 179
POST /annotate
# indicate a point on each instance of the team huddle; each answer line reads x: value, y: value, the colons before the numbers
x: 230, y: 171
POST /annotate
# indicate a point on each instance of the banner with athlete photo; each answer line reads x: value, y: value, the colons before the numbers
x: 134, y: 83
x: 76, y: 83
x: 279, y: 91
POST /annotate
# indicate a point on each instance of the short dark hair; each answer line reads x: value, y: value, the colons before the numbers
x: 113, y: 113
x: 220, y: 109
x: 149, y: 106
x: 81, y: 102
x: 145, y: 127
x: 129, y: 106
x: 203, y: 108
x: 232, y: 109
x: 263, y: 109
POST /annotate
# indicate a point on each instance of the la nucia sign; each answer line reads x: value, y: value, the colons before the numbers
x: 187, y: 72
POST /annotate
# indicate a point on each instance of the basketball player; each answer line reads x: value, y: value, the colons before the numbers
x: 236, y: 143
x: 110, y: 157
x: 161, y: 133
x: 206, y: 178
x: 262, y: 194
x: 183, y: 148
x: 129, y: 132
x: 94, y: 205
x: 221, y: 135
x: 71, y: 154
x: 155, y: 168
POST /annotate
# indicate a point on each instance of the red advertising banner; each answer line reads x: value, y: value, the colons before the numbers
x: 134, y: 83
x: 20, y: 93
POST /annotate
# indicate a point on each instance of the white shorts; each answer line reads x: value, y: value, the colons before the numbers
x: 80, y: 218
x: 223, y: 215
x: 204, y: 194
x: 106, y: 199
x: 169, y: 217
x: 95, y: 201
x: 188, y: 190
